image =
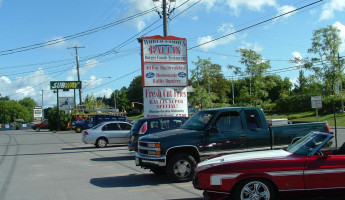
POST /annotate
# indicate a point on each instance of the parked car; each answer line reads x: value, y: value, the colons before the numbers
x: 39, y: 126
x: 93, y: 119
x: 113, y: 132
x: 144, y: 126
x: 308, y: 165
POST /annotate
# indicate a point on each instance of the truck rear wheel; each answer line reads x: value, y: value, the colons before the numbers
x: 78, y: 129
x: 180, y: 167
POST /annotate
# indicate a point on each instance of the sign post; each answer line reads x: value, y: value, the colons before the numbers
x: 65, y: 86
x: 316, y: 102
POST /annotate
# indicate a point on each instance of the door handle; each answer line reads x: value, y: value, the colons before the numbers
x: 243, y: 135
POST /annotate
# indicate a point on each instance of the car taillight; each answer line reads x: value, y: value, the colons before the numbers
x: 86, y: 133
x: 143, y: 129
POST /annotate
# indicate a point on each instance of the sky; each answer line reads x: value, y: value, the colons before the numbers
x: 37, y: 38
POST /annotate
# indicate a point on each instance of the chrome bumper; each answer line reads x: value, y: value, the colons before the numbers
x: 147, y: 161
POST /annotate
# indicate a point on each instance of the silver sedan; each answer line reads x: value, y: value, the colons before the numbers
x: 113, y: 132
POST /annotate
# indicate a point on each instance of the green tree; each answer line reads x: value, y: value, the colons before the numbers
x: 201, y: 98
x: 255, y: 67
x: 123, y: 101
x: 208, y: 76
x: 29, y: 104
x: 92, y: 102
x: 11, y: 110
x: 53, y: 120
x: 135, y: 92
x: 325, y: 64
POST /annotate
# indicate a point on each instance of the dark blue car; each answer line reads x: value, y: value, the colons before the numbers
x: 144, y: 126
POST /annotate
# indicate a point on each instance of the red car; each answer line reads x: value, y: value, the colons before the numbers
x: 307, y: 165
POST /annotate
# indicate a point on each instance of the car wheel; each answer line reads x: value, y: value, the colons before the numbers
x: 255, y: 189
x: 38, y: 129
x: 78, y: 129
x: 158, y: 170
x: 180, y: 167
x: 101, y: 143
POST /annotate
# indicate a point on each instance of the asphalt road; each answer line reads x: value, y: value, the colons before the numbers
x: 58, y: 166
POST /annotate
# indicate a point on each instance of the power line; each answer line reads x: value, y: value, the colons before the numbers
x: 115, y: 79
x: 254, y: 25
x: 65, y: 38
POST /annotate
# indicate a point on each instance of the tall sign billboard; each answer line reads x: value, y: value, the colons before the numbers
x: 164, y: 68
x: 164, y: 61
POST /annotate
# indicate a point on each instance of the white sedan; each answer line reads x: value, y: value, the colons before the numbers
x: 113, y: 132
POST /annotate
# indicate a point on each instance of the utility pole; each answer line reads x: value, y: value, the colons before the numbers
x: 77, y: 60
x: 233, y: 91
x: 341, y: 84
x: 42, y: 107
x: 165, y: 13
x: 165, y: 26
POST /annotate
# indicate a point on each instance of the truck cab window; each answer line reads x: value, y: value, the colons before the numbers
x: 253, y: 119
x: 229, y: 121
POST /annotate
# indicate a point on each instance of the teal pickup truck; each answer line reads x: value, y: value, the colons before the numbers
x: 214, y: 132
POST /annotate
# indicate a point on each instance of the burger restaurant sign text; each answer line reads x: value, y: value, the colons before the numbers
x: 164, y: 76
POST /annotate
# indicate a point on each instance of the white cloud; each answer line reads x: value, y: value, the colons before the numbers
x: 255, y: 47
x: 285, y: 9
x: 136, y: 8
x: 141, y: 25
x: 195, y: 18
x: 341, y: 27
x: 104, y: 92
x: 223, y: 30
x: 56, y: 43
x: 83, y: 69
x: 92, y: 82
x: 71, y: 78
x: 296, y: 54
x: 26, y: 91
x: 329, y: 8
x: 256, y: 5
x: 4, y: 80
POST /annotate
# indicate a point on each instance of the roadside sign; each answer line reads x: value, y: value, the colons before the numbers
x: 65, y: 85
x: 316, y: 102
x: 38, y: 112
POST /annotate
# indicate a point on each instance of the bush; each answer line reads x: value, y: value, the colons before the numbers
x: 300, y: 115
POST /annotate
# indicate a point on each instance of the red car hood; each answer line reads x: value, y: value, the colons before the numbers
x: 241, y: 157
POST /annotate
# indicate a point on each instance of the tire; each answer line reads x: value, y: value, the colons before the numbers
x: 101, y: 142
x: 255, y: 188
x: 158, y: 170
x: 180, y: 167
x: 78, y: 129
x: 38, y: 129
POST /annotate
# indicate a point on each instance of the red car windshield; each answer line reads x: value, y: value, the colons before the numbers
x: 308, y: 144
